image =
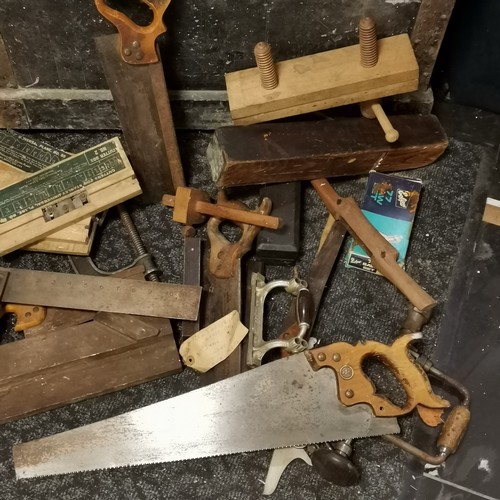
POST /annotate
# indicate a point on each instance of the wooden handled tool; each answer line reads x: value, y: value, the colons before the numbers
x: 355, y: 387
x: 382, y: 254
x: 134, y: 73
x: 373, y: 109
x: 192, y: 206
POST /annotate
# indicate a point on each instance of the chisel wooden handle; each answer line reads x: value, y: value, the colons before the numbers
x: 382, y: 254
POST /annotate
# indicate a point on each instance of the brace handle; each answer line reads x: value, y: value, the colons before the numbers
x: 382, y: 254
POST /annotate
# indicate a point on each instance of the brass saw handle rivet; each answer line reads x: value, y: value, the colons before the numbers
x: 349, y: 393
x: 321, y: 356
x: 336, y: 357
x: 347, y: 372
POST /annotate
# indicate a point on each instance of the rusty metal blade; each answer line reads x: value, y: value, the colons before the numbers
x: 98, y: 293
x: 281, y: 404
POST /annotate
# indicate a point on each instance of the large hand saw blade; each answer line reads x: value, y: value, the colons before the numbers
x: 281, y: 404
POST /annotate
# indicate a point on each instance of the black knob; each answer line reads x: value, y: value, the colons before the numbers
x: 334, y: 467
x: 304, y: 307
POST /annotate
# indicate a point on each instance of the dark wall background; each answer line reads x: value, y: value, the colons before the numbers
x: 468, y: 67
x: 52, y: 40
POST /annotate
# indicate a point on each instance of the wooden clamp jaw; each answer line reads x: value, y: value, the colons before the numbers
x: 355, y: 387
x: 224, y: 255
x: 138, y: 43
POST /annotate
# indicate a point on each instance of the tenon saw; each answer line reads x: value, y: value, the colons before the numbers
x: 291, y: 401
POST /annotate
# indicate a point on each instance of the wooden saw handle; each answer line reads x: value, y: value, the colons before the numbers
x: 355, y: 387
x: 26, y: 316
x: 138, y: 43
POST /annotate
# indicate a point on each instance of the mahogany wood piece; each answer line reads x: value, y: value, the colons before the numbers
x: 46, y: 371
x: 284, y: 152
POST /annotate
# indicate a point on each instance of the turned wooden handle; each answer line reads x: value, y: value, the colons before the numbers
x: 382, y: 254
x: 233, y: 214
x: 373, y: 109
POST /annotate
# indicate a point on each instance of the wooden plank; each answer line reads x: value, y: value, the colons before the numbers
x: 83, y: 109
x: 283, y: 152
x: 323, y: 80
x: 76, y: 239
x: 67, y: 371
x: 491, y: 213
x: 103, y: 173
x: 134, y: 95
x: 428, y: 33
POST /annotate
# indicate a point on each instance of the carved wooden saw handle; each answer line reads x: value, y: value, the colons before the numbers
x: 138, y: 43
x: 355, y: 387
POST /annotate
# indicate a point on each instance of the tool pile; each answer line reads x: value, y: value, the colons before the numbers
x: 290, y: 391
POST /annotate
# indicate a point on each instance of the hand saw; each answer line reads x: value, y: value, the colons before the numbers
x: 226, y: 417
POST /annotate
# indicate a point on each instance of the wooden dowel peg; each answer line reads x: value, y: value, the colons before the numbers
x: 192, y: 206
x: 373, y: 109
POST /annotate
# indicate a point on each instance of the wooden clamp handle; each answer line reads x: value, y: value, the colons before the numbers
x: 373, y: 109
x: 355, y: 387
x: 138, y: 43
x: 192, y: 206
x: 382, y: 254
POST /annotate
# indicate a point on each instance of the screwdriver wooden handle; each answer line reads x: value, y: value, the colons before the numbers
x: 382, y: 254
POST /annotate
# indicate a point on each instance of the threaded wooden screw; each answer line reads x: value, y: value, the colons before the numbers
x: 368, y: 42
x: 265, y: 63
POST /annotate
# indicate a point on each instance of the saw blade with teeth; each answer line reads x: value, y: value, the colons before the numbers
x: 281, y: 404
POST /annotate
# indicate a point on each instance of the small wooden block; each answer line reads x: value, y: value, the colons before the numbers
x: 185, y: 210
x: 102, y: 175
x: 323, y: 80
x: 284, y: 152
x: 491, y: 213
x: 76, y: 239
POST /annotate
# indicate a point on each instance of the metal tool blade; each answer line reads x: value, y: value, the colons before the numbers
x: 272, y: 406
x: 100, y: 293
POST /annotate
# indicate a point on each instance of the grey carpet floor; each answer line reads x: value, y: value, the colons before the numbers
x: 356, y: 306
